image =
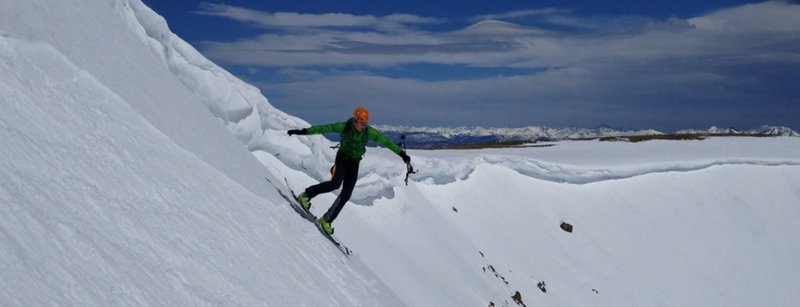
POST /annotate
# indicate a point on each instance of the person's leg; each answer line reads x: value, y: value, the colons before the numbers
x: 328, y: 186
x: 350, y: 176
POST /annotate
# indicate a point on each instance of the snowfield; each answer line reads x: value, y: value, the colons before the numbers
x: 135, y: 172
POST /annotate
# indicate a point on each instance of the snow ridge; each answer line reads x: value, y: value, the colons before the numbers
x: 577, y: 175
x: 440, y: 172
x: 241, y: 107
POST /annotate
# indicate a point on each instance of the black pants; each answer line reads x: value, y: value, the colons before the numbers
x: 347, y: 173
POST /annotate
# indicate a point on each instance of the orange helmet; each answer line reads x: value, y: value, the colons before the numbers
x: 361, y: 114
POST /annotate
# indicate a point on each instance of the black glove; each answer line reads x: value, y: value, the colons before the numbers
x: 405, y: 157
x: 297, y: 131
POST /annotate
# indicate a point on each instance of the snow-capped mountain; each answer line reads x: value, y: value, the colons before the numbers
x: 760, y: 131
x: 437, y: 137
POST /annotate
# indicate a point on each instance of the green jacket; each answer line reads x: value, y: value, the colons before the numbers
x: 353, y: 144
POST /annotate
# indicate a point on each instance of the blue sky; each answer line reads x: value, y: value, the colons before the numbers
x: 666, y: 65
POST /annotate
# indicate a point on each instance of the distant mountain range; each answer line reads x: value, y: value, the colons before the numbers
x: 442, y: 137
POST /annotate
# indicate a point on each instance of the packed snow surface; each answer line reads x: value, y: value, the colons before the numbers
x: 133, y: 171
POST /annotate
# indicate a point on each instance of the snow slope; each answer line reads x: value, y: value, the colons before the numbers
x: 119, y: 189
x: 661, y: 223
x: 136, y: 172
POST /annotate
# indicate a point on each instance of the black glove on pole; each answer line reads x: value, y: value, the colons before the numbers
x: 405, y: 157
x: 409, y: 169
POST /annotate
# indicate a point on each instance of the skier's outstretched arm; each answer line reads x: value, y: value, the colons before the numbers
x: 318, y: 129
x: 384, y: 141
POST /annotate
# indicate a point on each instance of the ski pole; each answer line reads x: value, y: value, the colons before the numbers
x: 409, y: 169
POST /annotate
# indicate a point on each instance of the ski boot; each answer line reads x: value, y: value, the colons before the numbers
x: 305, y: 202
x: 326, y: 226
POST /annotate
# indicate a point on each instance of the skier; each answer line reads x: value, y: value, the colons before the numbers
x: 355, y: 133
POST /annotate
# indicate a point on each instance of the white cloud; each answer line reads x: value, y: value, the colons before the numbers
x: 522, y: 14
x: 300, y: 20
x: 768, y: 17
x: 719, y: 66
x: 490, y: 43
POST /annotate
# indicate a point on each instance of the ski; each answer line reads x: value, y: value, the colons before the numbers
x: 308, y: 216
x: 315, y: 220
